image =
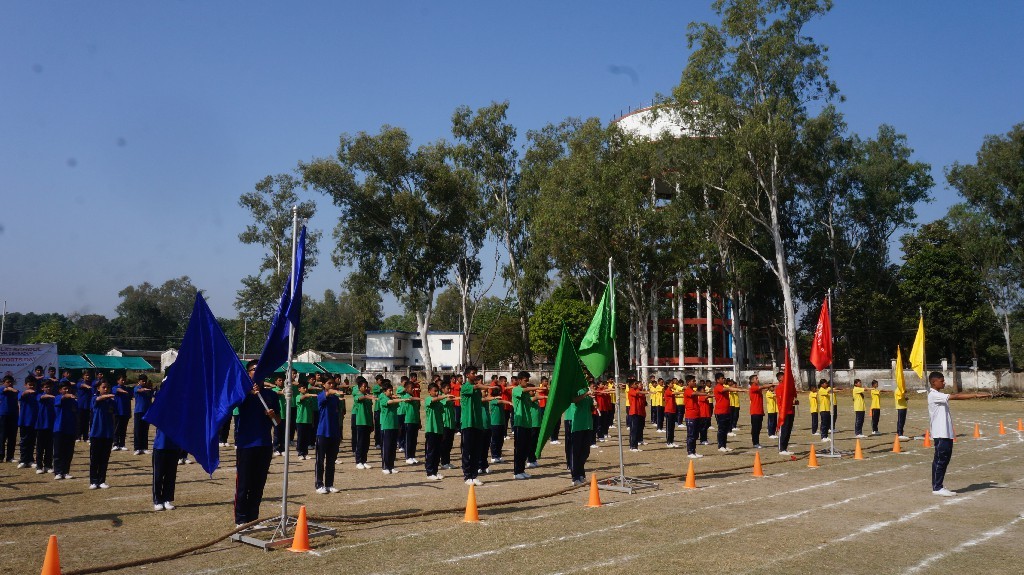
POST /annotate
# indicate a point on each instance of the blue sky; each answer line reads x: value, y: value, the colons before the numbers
x: 129, y: 129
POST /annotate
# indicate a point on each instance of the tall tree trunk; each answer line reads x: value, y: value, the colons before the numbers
x: 956, y: 379
x: 785, y: 286
x: 422, y: 325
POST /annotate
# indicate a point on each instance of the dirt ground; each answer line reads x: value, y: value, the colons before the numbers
x: 875, y: 515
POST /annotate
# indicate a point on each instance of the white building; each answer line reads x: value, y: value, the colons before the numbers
x: 400, y: 350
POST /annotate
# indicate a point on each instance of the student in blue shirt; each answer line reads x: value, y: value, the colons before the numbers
x: 122, y: 412
x: 254, y: 448
x: 65, y: 429
x: 143, y: 393
x: 8, y: 419
x: 165, y: 471
x: 328, y: 436
x: 101, y: 436
x: 28, y: 409
x: 84, y: 393
x: 44, y: 429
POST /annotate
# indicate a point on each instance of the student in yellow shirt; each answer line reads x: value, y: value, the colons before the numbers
x: 876, y: 406
x: 734, y: 408
x: 812, y: 398
x: 858, y: 408
x: 771, y: 409
x: 901, y: 412
x: 657, y: 389
x: 824, y: 410
x: 678, y: 389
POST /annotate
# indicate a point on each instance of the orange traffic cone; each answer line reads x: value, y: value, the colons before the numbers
x: 758, y: 472
x: 857, y: 452
x: 1020, y: 424
x: 472, y: 516
x: 691, y: 478
x: 927, y: 438
x: 812, y: 457
x: 595, y: 495
x: 300, y: 541
x: 51, y: 564
x: 896, y: 445
x: 1002, y: 428
x: 977, y: 431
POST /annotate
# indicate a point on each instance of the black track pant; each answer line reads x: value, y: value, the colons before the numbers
x: 252, y: 466
x: 99, y: 457
x: 326, y: 454
x: 580, y: 453
x: 165, y: 474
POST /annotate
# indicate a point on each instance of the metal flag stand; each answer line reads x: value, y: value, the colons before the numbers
x: 831, y: 453
x: 280, y: 527
x: 621, y: 482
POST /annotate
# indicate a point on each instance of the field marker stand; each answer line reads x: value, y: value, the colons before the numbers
x: 621, y: 483
x: 256, y: 534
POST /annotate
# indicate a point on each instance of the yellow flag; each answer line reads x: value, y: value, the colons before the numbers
x: 917, y: 352
x: 901, y: 385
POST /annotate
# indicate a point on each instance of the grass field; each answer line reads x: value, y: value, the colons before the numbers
x: 875, y: 515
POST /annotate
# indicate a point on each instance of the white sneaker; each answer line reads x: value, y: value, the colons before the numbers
x: 104, y: 486
x: 826, y: 439
x: 93, y: 486
x: 360, y: 466
x: 773, y: 437
x: 532, y: 465
x: 22, y: 465
x: 469, y: 482
x: 861, y: 436
x: 787, y: 452
x: 555, y: 442
x: 446, y: 466
x: 367, y: 466
x: 146, y: 452
x: 168, y: 505
x: 757, y: 446
x: 385, y: 471
x: 332, y: 489
x: 691, y: 455
x: 189, y: 462
x: 415, y: 461
x: 905, y: 438
x: 520, y: 476
x: 58, y: 477
x: 704, y: 443
x: 158, y: 507
x: 944, y: 493
x: 477, y: 482
x: 68, y: 476
x: 139, y: 451
x: 394, y: 470
x: 322, y: 490
x: 435, y: 477
x: 732, y: 434
x: 725, y: 449
x: 40, y: 471
x: 410, y: 461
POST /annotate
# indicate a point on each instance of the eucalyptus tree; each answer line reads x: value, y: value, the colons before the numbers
x: 402, y: 210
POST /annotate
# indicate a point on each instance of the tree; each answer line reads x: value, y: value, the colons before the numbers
x: 154, y: 316
x: 270, y: 207
x: 937, y: 277
x: 339, y: 321
x: 752, y: 77
x: 486, y: 147
x: 564, y: 306
x: 990, y: 255
x: 401, y: 213
x: 70, y: 339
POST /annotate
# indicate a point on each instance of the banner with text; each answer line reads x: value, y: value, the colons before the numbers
x: 20, y: 360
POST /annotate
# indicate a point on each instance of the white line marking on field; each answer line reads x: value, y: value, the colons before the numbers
x: 589, y: 566
x: 991, y: 534
x: 531, y: 544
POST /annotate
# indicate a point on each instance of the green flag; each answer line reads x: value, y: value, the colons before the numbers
x: 566, y: 382
x: 596, y: 347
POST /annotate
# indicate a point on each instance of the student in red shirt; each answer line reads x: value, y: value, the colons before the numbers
x: 670, y: 414
x: 704, y: 411
x: 723, y: 413
x: 691, y: 407
x: 757, y: 409
x: 605, y: 409
x: 637, y: 415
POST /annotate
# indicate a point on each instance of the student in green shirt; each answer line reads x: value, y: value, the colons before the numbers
x: 536, y: 411
x: 433, y: 409
x: 582, y: 426
x: 305, y: 405
x: 410, y: 414
x: 450, y: 421
x: 387, y: 403
x: 497, y: 416
x: 472, y: 410
x: 523, y: 443
x: 376, y: 411
x: 362, y: 421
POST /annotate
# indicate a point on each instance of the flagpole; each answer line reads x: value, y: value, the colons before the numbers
x: 831, y: 375
x: 288, y: 378
x: 618, y: 402
x: 924, y: 354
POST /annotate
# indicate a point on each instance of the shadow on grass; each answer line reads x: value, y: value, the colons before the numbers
x: 980, y: 487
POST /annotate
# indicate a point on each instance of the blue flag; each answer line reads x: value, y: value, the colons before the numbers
x: 275, y: 350
x: 205, y: 383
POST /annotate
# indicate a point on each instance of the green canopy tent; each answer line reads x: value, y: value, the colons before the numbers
x: 72, y: 362
x: 115, y: 362
x: 301, y: 367
x: 337, y: 367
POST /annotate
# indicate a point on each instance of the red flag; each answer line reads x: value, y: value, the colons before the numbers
x: 821, y: 347
x: 785, y: 393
